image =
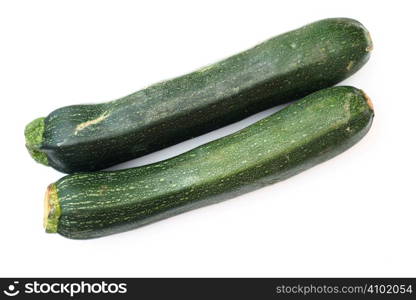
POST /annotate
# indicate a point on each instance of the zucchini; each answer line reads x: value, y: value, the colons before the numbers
x: 287, y: 67
x: 318, y: 127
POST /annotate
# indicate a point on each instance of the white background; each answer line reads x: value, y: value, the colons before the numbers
x: 351, y: 216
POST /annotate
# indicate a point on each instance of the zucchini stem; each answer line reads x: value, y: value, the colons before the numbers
x: 34, y: 138
x: 52, y: 209
x: 368, y: 99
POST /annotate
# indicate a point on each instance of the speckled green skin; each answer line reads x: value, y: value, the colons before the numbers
x: 284, y: 68
x: 294, y: 139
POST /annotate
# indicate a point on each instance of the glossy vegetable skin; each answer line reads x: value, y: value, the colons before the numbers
x: 318, y: 127
x: 284, y: 68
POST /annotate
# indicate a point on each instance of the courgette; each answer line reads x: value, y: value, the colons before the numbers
x: 284, y: 68
x: 318, y: 127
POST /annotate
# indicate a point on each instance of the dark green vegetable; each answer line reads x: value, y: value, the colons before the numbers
x: 284, y: 68
x: 318, y: 127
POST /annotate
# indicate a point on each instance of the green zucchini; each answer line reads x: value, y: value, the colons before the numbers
x: 318, y: 127
x: 284, y: 68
